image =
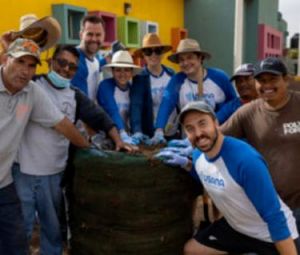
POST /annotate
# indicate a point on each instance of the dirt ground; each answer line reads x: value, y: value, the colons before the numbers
x: 35, y: 243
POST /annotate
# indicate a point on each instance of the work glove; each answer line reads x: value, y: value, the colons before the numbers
x: 126, y: 138
x: 139, y: 138
x: 179, y: 143
x: 172, y: 159
x: 187, y: 152
x: 158, y: 138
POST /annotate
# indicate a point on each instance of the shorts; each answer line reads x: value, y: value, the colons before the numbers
x: 221, y: 236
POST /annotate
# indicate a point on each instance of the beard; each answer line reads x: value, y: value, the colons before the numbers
x: 213, y: 140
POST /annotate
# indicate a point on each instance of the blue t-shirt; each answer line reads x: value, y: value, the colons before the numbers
x: 217, y: 90
x: 115, y: 101
x: 238, y: 182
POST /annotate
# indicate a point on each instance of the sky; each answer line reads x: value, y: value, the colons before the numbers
x: 290, y: 10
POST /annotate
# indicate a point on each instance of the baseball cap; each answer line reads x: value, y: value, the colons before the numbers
x: 200, y: 106
x: 243, y: 70
x: 23, y: 47
x: 270, y: 65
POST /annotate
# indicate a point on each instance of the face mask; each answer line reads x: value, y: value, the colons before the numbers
x: 58, y: 80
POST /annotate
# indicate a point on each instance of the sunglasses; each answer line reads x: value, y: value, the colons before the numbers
x: 64, y: 63
x: 149, y: 51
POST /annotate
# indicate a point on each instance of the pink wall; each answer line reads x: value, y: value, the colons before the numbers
x: 270, y: 42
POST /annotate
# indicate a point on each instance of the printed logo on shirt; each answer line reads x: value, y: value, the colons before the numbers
x: 291, y: 128
x: 157, y: 91
x: 211, y: 180
x: 21, y: 111
x: 209, y: 98
x: 68, y: 110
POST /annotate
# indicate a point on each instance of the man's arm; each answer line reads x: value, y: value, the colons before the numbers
x: 234, y: 126
x: 286, y: 247
x: 66, y: 128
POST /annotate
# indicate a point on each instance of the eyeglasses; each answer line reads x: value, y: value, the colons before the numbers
x: 64, y: 63
x: 157, y: 50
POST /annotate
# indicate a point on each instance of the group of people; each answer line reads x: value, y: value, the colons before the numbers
x: 148, y: 105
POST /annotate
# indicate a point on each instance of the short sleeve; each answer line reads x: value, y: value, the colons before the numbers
x: 44, y: 111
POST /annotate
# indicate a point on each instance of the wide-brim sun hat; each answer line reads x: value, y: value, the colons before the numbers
x: 188, y: 45
x: 122, y: 58
x: 45, y: 31
x: 152, y: 40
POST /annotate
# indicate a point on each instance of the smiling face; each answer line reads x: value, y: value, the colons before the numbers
x: 92, y: 37
x: 17, y: 72
x: 202, y: 131
x: 272, y: 88
x: 122, y: 75
x: 246, y: 87
x: 153, y: 56
x: 190, y: 63
x: 65, y: 64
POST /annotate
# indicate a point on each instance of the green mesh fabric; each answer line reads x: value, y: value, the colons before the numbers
x: 128, y: 204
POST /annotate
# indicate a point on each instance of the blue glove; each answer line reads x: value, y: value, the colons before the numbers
x: 158, y: 138
x: 187, y: 152
x: 126, y: 138
x: 180, y: 143
x: 139, y: 137
x: 172, y: 159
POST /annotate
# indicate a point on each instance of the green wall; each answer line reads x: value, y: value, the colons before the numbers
x: 211, y: 22
x: 283, y: 27
x: 267, y: 12
x: 250, y: 39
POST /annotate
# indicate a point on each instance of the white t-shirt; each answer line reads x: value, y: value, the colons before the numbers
x: 123, y: 103
x: 44, y: 151
x: 211, y: 92
x: 93, y: 78
x: 158, y: 84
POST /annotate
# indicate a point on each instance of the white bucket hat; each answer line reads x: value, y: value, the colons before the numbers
x: 122, y: 58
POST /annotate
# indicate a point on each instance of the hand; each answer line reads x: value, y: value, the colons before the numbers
x: 187, y: 152
x: 97, y: 151
x: 139, y: 137
x: 7, y: 38
x: 179, y: 143
x: 172, y: 159
x: 131, y: 149
x: 158, y: 138
x: 126, y: 138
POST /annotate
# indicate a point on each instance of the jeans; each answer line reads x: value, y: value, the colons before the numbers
x: 13, y: 239
x: 41, y: 194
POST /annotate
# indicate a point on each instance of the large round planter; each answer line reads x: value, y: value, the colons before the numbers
x: 128, y: 204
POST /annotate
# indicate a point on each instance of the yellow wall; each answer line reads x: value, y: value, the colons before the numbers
x: 167, y: 13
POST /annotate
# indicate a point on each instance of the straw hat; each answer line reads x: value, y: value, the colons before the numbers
x: 123, y: 58
x: 152, y: 40
x: 188, y: 45
x: 45, y: 31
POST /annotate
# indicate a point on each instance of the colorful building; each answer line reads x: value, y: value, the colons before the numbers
x: 232, y: 31
x: 125, y: 20
x: 236, y: 31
